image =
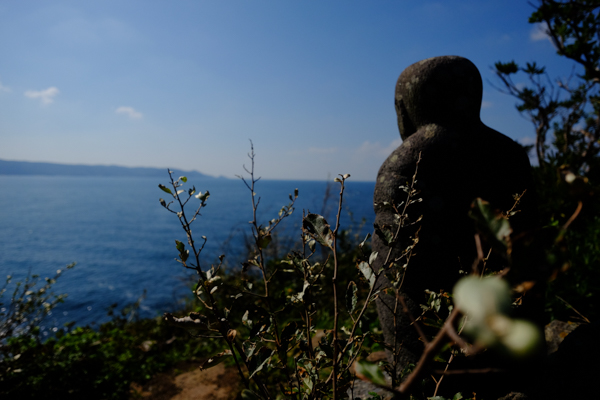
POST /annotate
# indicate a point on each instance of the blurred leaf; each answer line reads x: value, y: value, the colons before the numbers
x: 250, y: 395
x: 506, y: 68
x: 183, y: 178
x: 263, y: 241
x: 482, y: 297
x: 522, y: 339
x: 492, y: 224
x: 369, y: 372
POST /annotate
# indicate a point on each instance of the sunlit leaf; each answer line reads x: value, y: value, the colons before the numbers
x: 368, y: 273
x: 165, y: 189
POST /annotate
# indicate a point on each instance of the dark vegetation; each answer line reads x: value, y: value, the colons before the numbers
x: 261, y: 318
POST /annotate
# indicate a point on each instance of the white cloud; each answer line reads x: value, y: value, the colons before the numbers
x: 46, y: 95
x: 130, y: 112
x: 376, y: 149
x: 527, y: 140
x: 539, y: 32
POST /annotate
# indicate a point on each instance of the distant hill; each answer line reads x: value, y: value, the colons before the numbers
x: 40, y: 168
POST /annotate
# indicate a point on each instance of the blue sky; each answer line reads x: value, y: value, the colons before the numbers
x: 185, y: 84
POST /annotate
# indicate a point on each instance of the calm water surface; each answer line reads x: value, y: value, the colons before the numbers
x: 124, y: 242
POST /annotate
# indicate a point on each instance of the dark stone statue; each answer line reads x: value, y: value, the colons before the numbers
x: 438, y: 103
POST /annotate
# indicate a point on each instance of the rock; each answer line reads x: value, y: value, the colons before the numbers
x: 437, y: 103
x: 555, y: 332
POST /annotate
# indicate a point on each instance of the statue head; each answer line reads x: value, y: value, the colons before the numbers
x: 442, y: 90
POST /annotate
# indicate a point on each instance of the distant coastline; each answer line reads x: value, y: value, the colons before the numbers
x: 53, y: 169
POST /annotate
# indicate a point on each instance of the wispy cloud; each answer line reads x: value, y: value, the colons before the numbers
x: 46, y: 96
x: 130, y: 112
x: 539, y: 32
x: 527, y: 140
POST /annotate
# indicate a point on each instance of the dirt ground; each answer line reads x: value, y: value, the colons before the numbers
x: 187, y: 382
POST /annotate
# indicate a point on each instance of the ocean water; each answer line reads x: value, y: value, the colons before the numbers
x: 123, y: 241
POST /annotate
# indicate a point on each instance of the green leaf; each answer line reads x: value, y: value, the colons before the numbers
x: 370, y: 372
x: 491, y: 223
x: 384, y: 234
x: 180, y: 245
x: 165, y: 189
x: 506, y: 68
x: 249, y: 395
x: 351, y: 297
x: 263, y: 241
x: 318, y: 227
x: 260, y: 359
x: 287, y: 334
x: 214, y: 360
x: 183, y: 178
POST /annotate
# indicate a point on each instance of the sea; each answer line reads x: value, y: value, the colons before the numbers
x: 123, y: 240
